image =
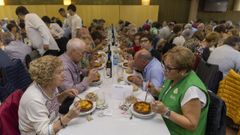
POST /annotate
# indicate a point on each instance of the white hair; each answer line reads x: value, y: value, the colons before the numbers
x: 187, y: 33
x: 188, y: 26
x: 75, y: 43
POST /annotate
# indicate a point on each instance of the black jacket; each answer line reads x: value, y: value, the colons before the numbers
x: 209, y: 74
x: 216, y: 121
x: 155, y: 53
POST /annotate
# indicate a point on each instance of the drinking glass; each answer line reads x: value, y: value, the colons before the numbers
x: 101, y: 99
x: 120, y: 74
x: 101, y: 103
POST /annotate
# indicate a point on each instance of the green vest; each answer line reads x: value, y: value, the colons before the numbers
x: 172, y: 99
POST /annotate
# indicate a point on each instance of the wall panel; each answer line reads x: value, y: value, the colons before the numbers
x: 177, y: 10
x: 8, y: 12
x: 108, y: 12
x: 39, y: 9
x: 52, y: 10
x: 80, y: 2
x: 138, y: 14
x: 111, y: 13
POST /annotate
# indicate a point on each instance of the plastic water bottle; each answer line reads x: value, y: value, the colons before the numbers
x: 115, y: 59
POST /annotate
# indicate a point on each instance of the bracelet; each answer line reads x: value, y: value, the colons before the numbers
x: 61, y: 122
x: 167, y: 114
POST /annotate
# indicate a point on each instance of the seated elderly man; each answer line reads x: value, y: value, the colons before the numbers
x: 75, y: 77
x: 150, y: 67
x: 15, y: 49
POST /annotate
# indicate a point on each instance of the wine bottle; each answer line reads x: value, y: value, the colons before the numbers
x: 109, y: 50
x: 113, y: 42
x: 109, y: 67
x: 113, y: 34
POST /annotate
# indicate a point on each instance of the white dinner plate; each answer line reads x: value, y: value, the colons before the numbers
x: 121, y: 64
x: 126, y: 79
x: 96, y: 83
x: 88, y: 112
x: 125, y: 71
x: 142, y: 116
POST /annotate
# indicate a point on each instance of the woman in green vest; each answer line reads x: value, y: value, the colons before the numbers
x: 183, y: 99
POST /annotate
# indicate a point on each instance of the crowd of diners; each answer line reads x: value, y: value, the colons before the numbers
x: 163, y: 53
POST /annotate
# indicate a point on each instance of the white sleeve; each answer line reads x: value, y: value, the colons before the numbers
x: 37, y: 113
x: 66, y: 23
x: 192, y: 93
x: 57, y: 30
x: 38, y: 24
x: 77, y: 24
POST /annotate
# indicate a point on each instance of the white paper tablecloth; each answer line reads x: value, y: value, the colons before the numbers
x: 117, y: 122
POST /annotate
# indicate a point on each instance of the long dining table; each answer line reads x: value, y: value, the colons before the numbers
x: 112, y: 120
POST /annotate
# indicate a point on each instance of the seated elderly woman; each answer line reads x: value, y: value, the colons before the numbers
x: 183, y: 99
x: 38, y: 109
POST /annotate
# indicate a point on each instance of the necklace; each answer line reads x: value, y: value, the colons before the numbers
x: 44, y: 93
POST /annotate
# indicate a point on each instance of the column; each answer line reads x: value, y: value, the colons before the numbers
x: 193, y: 10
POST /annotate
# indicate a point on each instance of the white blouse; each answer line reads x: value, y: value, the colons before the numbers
x: 37, y: 112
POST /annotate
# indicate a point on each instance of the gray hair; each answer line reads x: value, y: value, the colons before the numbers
x: 187, y: 33
x: 75, y: 44
x: 188, y: 26
x: 7, y: 37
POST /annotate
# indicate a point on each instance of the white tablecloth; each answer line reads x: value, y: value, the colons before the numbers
x: 116, y: 121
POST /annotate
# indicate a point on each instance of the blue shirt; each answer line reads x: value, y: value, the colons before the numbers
x: 4, y: 59
x: 154, y: 72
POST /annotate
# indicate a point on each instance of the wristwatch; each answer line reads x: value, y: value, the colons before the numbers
x: 167, y: 114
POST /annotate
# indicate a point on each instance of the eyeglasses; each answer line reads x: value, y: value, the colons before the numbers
x: 168, y: 69
x: 144, y: 41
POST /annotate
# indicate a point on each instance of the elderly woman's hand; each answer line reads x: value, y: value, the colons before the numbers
x: 159, y: 107
x: 151, y: 88
x: 67, y: 93
x: 74, y: 111
x: 71, y: 92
